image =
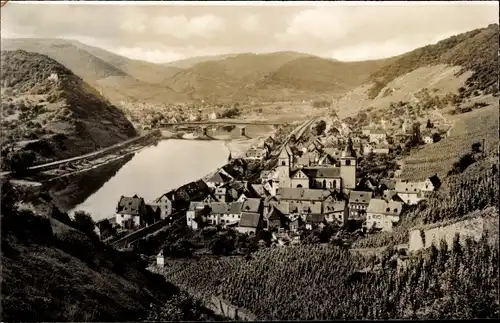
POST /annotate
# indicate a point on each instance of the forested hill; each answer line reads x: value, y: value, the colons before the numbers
x: 47, y: 105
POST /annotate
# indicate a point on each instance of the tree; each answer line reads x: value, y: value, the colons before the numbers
x: 320, y: 127
x: 476, y: 147
x: 436, y: 137
x: 429, y: 124
x: 20, y: 162
x: 416, y: 137
x: 83, y: 222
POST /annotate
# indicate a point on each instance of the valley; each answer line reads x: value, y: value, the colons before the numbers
x: 280, y: 185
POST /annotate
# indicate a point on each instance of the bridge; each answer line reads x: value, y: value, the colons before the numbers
x: 223, y: 122
x: 206, y: 125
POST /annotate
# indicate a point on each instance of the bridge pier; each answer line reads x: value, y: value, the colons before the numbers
x: 243, y: 131
x: 204, y: 131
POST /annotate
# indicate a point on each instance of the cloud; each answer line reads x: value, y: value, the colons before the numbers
x: 182, y: 27
x: 355, y: 32
x: 251, y: 23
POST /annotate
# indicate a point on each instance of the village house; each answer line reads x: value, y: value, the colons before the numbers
x: 130, y: 212
x: 250, y: 223
x: 256, y: 153
x: 221, y: 194
x: 409, y: 192
x: 165, y: 205
x: 275, y: 219
x: 218, y: 179
x: 335, y: 211
x: 378, y: 136
x: 215, y: 213
x: 431, y: 184
x: 358, y: 204
x: 313, y: 221
x: 382, y: 214
x: 381, y: 149
x: 428, y: 139
x: 303, y: 201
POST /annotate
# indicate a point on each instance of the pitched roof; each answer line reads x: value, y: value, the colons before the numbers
x: 249, y: 220
x: 381, y: 206
x: 220, y: 190
x: 269, y: 199
x: 218, y: 177
x: 236, y: 207
x: 282, y: 206
x: 274, y: 213
x: 390, y: 183
x: 259, y: 189
x: 285, y: 152
x: 323, y: 172
x: 194, y: 205
x: 297, y: 171
x: 252, y: 205
x: 301, y: 194
x: 219, y: 208
x: 360, y: 197
x: 334, y: 207
x: 407, y: 187
x: 129, y: 205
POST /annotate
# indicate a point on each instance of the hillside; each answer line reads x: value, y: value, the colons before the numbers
x: 140, y: 70
x: 221, y: 79
x: 53, y: 118
x: 118, y: 78
x: 58, y: 271
x: 468, y: 128
x: 191, y: 61
x: 475, y: 51
x: 308, y: 77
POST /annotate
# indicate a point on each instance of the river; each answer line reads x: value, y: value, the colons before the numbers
x: 156, y: 170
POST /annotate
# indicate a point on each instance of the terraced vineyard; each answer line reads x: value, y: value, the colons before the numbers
x: 439, y: 157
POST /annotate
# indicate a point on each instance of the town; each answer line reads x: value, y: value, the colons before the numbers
x: 292, y: 187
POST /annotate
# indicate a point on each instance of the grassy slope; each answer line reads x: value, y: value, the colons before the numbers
x: 77, y: 110
x: 475, y: 50
x: 468, y: 128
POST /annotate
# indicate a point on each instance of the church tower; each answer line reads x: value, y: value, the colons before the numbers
x: 284, y: 163
x: 348, y: 167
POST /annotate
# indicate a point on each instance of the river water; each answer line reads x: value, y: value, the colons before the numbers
x: 156, y: 170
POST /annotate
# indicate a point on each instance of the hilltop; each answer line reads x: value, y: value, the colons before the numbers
x: 467, y: 60
x: 191, y: 61
x: 117, y: 77
x: 50, y: 113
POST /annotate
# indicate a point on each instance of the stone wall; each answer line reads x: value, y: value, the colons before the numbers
x: 475, y: 227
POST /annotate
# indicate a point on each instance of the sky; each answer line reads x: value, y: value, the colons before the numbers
x: 166, y: 32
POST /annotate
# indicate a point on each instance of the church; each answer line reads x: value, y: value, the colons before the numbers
x: 341, y: 178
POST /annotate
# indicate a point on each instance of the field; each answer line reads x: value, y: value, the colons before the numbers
x: 468, y: 128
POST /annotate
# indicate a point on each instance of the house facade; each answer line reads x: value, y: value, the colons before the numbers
x: 382, y: 214
x: 130, y: 211
x: 358, y: 204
